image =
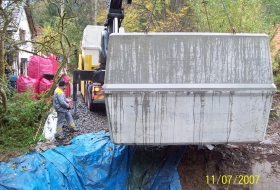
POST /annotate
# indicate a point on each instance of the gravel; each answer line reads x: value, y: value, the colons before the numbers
x: 86, y: 122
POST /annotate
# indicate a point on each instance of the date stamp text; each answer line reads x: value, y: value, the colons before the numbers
x: 233, y: 179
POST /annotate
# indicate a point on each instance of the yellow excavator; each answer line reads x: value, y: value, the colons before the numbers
x: 181, y: 88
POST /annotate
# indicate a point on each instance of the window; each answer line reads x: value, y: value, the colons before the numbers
x: 22, y: 35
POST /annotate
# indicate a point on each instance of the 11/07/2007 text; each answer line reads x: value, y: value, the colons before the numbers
x: 233, y: 179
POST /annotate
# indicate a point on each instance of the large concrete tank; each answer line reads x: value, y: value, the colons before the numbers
x: 188, y: 88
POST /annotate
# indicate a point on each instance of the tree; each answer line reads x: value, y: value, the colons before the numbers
x: 52, y: 40
x: 229, y: 16
x: 7, y: 26
x: 158, y: 16
x: 271, y: 12
x: 78, y: 14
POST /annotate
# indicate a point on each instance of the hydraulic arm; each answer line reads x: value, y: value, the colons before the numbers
x: 112, y: 24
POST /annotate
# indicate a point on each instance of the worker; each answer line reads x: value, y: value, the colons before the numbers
x: 62, y: 107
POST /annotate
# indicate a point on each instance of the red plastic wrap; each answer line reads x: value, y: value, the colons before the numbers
x: 44, y: 85
x: 38, y: 66
x: 68, y: 91
x: 67, y: 79
x: 25, y: 82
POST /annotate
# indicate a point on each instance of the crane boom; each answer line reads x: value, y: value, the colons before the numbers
x: 115, y: 15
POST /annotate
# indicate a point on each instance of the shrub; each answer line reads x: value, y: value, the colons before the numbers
x: 20, y: 124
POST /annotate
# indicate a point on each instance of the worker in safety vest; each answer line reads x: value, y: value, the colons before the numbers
x: 62, y: 107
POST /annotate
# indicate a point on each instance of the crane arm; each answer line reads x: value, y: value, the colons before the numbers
x: 115, y: 15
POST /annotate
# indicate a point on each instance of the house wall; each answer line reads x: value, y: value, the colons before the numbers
x: 22, y: 55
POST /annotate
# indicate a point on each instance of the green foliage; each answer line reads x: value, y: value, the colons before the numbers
x: 60, y: 31
x: 49, y: 40
x: 42, y: 12
x: 274, y: 114
x: 272, y: 12
x: 202, y: 16
x: 214, y: 16
x: 42, y: 138
x: 277, y: 78
x: 158, y: 16
x: 6, y: 91
x: 20, y: 123
x: 275, y: 65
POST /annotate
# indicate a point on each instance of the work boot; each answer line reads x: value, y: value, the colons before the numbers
x: 59, y: 136
x: 73, y: 129
x: 65, y: 128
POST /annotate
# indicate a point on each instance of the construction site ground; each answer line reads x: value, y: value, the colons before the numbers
x: 234, y: 167
x: 225, y: 167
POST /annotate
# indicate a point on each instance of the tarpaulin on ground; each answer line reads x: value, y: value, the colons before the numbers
x: 92, y: 161
x: 155, y: 167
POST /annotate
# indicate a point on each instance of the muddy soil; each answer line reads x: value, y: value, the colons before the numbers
x: 235, y: 167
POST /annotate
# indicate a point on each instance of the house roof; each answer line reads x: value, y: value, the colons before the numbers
x: 17, y: 11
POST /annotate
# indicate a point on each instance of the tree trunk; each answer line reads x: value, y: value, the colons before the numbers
x: 2, y: 62
x: 163, y: 10
x: 2, y: 71
x: 3, y: 98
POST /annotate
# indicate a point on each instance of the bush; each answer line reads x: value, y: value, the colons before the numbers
x: 19, y: 125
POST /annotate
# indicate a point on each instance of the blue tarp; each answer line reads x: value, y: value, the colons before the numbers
x: 92, y: 161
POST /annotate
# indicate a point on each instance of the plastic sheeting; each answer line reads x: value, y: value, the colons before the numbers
x: 38, y: 66
x: 67, y: 91
x: 155, y: 167
x: 25, y: 82
x: 50, y: 126
x: 44, y: 85
x: 92, y: 161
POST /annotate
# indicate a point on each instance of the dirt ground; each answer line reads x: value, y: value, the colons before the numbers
x: 230, y: 167
x: 235, y: 167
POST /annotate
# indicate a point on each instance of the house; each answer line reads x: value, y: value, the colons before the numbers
x: 22, y: 31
